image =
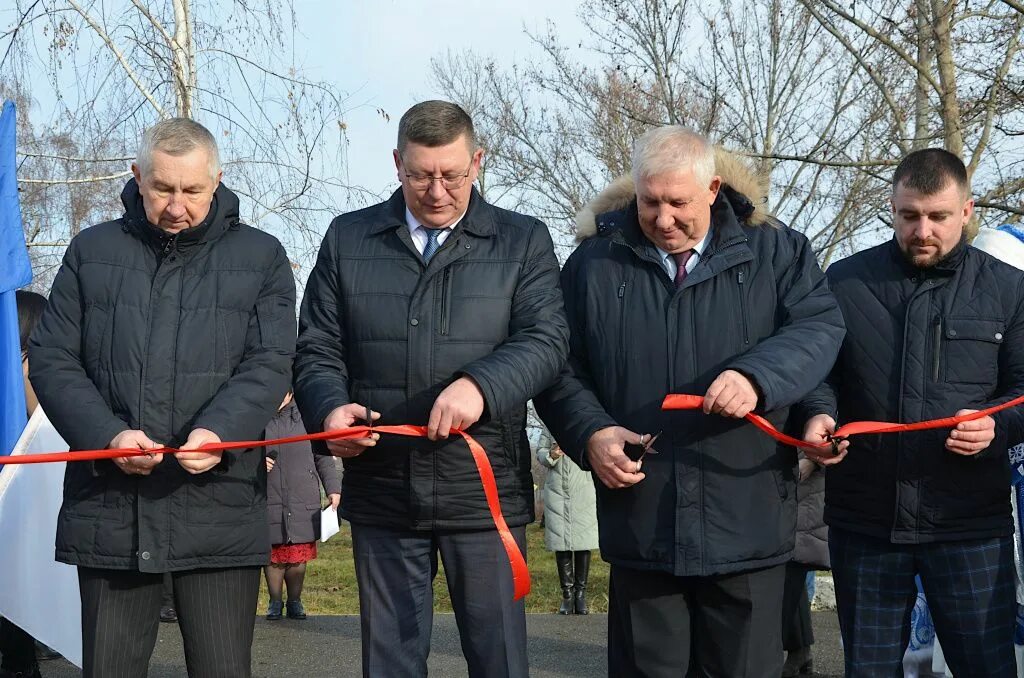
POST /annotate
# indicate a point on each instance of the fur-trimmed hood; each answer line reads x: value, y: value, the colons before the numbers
x: 741, y: 185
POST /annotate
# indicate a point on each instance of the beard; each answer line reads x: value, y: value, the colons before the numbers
x: 924, y: 259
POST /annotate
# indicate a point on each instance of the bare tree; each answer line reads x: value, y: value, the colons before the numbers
x: 108, y: 70
x: 824, y: 110
x: 959, y: 67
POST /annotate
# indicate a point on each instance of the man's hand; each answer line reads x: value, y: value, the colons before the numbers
x: 199, y: 461
x: 335, y: 500
x: 817, y: 430
x: 457, y: 407
x: 131, y: 440
x: 270, y: 464
x: 347, y: 416
x: 731, y: 395
x: 608, y: 460
x: 971, y: 437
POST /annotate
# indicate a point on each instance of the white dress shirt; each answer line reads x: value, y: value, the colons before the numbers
x: 669, y: 262
x: 419, y: 232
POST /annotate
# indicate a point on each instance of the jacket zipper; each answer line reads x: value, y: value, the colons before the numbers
x: 743, y: 307
x: 936, y: 348
x: 622, y: 290
x: 164, y: 251
x: 445, y: 290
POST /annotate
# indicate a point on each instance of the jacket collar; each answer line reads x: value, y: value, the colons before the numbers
x: 479, y: 218
x: 223, y: 215
x: 947, y: 266
x: 725, y: 227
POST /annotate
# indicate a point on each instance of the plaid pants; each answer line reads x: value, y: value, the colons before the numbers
x: 970, y: 591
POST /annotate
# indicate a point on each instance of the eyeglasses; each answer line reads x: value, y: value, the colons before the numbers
x: 448, y: 181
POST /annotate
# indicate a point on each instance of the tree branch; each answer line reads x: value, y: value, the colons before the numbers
x: 120, y: 58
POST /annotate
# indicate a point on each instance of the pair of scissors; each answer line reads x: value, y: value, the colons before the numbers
x: 637, y: 451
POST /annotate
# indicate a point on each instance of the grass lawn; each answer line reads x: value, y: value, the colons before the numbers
x: 331, y: 580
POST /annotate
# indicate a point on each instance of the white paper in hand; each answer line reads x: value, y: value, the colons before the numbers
x: 329, y: 523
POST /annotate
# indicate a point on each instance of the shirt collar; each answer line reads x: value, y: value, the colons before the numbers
x: 413, y: 223
x: 698, y: 249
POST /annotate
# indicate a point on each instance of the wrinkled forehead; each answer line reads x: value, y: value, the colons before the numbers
x: 191, y: 168
x: 676, y: 185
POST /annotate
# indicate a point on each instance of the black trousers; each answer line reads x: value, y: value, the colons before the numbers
x: 121, y: 613
x: 797, y: 631
x: 17, y: 648
x: 395, y: 571
x: 724, y: 626
x: 970, y: 592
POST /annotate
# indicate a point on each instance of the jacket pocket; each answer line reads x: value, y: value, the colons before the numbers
x: 274, y: 334
x: 741, y: 284
x: 219, y: 500
x: 971, y: 348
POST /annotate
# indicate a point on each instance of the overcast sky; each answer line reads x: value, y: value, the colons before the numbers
x: 379, y: 52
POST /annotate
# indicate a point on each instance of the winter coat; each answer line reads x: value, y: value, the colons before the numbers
x: 166, y: 334
x: 381, y: 328
x: 720, y: 495
x: 570, y: 508
x: 811, y: 532
x: 293, y: 485
x: 923, y: 344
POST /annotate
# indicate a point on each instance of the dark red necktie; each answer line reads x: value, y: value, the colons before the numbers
x: 681, y: 259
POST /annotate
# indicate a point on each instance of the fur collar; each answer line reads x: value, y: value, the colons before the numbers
x: 734, y: 169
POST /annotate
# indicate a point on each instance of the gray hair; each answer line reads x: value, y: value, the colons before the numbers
x: 673, y: 148
x: 435, y: 123
x: 177, y: 136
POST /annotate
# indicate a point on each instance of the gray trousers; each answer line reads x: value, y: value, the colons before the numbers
x: 395, y: 571
x: 121, y: 616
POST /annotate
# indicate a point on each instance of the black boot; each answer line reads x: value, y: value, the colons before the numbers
x: 579, y: 590
x: 563, y: 561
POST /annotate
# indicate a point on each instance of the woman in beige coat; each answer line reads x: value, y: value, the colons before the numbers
x: 570, y: 523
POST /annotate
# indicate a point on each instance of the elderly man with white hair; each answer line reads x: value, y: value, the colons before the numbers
x: 683, y: 284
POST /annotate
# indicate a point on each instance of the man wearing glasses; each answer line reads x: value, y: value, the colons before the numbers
x: 681, y: 285
x: 438, y: 309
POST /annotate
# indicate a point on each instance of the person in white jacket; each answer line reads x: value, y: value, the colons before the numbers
x: 570, y: 523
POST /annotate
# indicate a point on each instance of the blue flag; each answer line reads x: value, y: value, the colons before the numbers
x: 15, y: 272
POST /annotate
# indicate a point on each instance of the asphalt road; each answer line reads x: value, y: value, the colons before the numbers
x: 329, y: 646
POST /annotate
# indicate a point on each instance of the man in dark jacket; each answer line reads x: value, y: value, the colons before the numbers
x: 936, y: 327
x: 685, y: 287
x: 173, y: 325
x: 438, y: 309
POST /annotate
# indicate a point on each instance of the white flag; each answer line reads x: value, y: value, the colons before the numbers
x: 37, y: 593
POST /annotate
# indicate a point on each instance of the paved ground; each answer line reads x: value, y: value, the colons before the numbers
x: 329, y: 647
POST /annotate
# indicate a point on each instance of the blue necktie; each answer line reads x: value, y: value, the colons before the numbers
x: 432, y: 244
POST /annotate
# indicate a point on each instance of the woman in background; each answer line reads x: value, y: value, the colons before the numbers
x: 294, y: 477
x: 570, y: 523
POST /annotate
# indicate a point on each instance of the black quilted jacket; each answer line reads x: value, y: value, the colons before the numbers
x: 166, y: 334
x: 922, y: 344
x: 381, y: 328
x: 720, y: 497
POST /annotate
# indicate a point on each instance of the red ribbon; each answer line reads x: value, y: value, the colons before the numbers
x: 676, y: 401
x: 520, y: 573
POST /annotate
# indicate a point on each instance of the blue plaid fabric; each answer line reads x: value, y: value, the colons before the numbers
x: 969, y: 587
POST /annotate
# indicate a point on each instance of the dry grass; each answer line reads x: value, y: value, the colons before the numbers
x: 331, y: 581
